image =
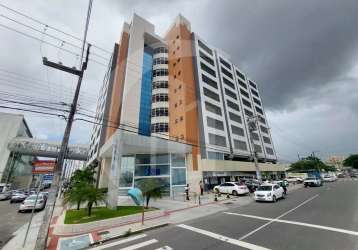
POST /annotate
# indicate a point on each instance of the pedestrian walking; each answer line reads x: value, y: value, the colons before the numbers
x: 201, y: 185
x: 187, y: 192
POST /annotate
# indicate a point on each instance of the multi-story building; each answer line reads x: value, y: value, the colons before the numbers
x: 182, y: 109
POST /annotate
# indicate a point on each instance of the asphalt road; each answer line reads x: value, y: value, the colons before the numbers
x: 10, y: 220
x: 321, y: 218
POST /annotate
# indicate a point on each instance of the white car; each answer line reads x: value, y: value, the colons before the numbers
x: 269, y: 192
x: 329, y: 178
x: 29, y: 203
x: 292, y: 179
x: 233, y: 188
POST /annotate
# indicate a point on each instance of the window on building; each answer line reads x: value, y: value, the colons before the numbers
x: 261, y: 119
x: 257, y: 101
x: 226, y: 72
x: 244, y: 93
x: 232, y: 105
x: 241, y: 75
x: 259, y: 110
x: 213, y: 108
x: 181, y: 118
x: 242, y: 84
x: 237, y: 131
x: 264, y: 130
x: 255, y: 93
x: 207, y: 69
x: 246, y: 103
x: 160, y: 72
x: 266, y: 139
x: 206, y: 58
x: 215, y: 155
x: 211, y: 94
x: 248, y: 113
x: 178, y: 176
x: 159, y: 127
x: 209, y: 81
x: 217, y: 140
x: 252, y: 84
x: 160, y: 50
x: 230, y: 93
x: 258, y: 148
x: 269, y: 151
x: 241, y: 145
x: 160, y: 85
x: 204, y: 47
x: 235, y: 118
x: 159, y: 112
x: 228, y: 83
x: 255, y: 136
x: 160, y: 60
x: 213, y: 123
x: 179, y: 73
x: 225, y: 63
x: 160, y: 98
x: 175, y: 105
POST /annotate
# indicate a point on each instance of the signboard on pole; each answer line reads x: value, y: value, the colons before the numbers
x: 43, y: 167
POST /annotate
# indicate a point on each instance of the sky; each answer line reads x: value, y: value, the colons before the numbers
x: 302, y: 54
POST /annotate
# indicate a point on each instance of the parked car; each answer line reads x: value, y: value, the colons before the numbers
x: 269, y: 192
x: 292, y: 179
x: 233, y: 188
x: 353, y: 175
x: 252, y: 185
x: 5, y: 196
x: 313, y: 182
x: 29, y: 203
x: 341, y: 175
x: 329, y: 178
x: 18, y: 197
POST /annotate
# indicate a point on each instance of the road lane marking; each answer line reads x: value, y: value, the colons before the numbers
x: 119, y: 242
x: 278, y: 217
x: 164, y: 248
x: 139, y: 245
x: 334, y: 229
x: 224, y: 238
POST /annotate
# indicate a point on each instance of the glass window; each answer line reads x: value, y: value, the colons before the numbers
x: 160, y: 97
x: 152, y: 159
x: 226, y: 72
x: 204, y: 47
x: 217, y: 140
x: 263, y: 129
x: 255, y: 136
x: 266, y: 139
x: 164, y: 183
x: 258, y: 148
x: 213, y: 123
x: 254, y: 92
x: 127, y: 169
x: 244, y: 93
x: 269, y: 151
x: 235, y: 118
x: 211, y: 94
x: 178, y: 176
x: 207, y: 69
x: 248, y: 113
x: 257, y: 101
x: 262, y: 119
x: 240, y: 145
x: 215, y: 155
x: 230, y: 93
x: 213, y: 108
x: 228, y: 83
x: 259, y: 110
x: 151, y: 170
x: 240, y: 74
x: 242, y: 84
x: 209, y: 81
x: 178, y: 160
x: 225, y: 63
x: 160, y: 112
x: 252, y: 84
x: 232, y: 105
x: 246, y: 103
x: 206, y: 58
x: 237, y: 131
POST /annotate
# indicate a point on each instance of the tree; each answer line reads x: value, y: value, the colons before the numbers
x: 151, y: 188
x: 351, y: 161
x: 75, y: 194
x: 93, y: 195
x: 309, y: 163
x: 83, y: 175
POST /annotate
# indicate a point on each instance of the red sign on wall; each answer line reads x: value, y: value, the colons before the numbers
x: 43, y: 167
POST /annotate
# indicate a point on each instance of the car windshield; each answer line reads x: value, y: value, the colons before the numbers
x: 264, y: 188
x: 33, y: 197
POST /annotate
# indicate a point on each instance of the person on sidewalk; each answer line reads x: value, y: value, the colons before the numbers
x: 187, y: 192
x: 201, y: 185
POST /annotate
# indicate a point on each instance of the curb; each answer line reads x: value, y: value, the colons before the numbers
x: 124, y: 235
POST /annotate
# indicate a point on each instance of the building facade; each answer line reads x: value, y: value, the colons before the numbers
x: 15, y: 168
x: 180, y: 90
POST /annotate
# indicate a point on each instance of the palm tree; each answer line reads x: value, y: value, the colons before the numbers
x: 75, y: 194
x: 83, y: 175
x: 151, y: 188
x: 93, y: 196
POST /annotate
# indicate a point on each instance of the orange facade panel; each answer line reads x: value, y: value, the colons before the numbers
x: 114, y: 113
x: 183, y: 108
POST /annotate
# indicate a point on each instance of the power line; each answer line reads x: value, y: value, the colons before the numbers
x: 32, y: 111
x: 50, y: 26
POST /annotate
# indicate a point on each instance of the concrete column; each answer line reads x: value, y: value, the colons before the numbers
x: 114, y: 173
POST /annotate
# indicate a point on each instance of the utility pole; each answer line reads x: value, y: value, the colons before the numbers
x: 50, y: 204
x: 252, y: 124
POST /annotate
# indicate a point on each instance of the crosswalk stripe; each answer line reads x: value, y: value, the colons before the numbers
x: 139, y: 245
x: 119, y: 242
x: 224, y: 238
x: 164, y: 248
x: 334, y: 229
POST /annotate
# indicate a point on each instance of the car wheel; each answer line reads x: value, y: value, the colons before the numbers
x: 234, y: 193
x: 217, y: 190
x: 274, y: 198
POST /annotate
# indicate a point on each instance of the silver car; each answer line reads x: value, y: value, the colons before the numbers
x: 29, y: 203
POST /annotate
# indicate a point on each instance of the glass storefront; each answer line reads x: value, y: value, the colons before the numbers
x: 169, y: 169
